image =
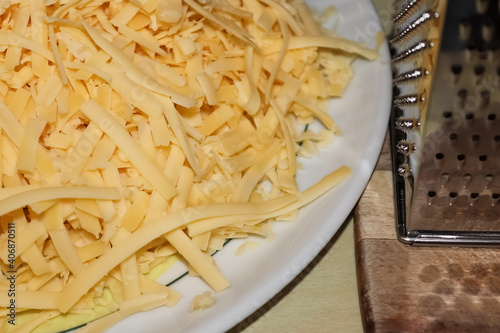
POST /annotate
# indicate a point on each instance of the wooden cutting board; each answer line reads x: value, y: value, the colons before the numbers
x: 419, y: 289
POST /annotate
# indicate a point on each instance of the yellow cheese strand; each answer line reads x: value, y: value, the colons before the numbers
x: 331, y: 42
x: 28, y: 299
x: 22, y: 199
x: 134, y: 73
x: 129, y: 147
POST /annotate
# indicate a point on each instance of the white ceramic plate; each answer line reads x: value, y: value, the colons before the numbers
x: 256, y: 276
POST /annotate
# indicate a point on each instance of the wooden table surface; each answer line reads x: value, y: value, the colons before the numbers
x: 324, y: 296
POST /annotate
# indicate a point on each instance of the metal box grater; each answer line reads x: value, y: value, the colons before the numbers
x: 445, y: 122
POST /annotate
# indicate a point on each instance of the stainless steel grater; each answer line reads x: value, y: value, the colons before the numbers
x: 445, y: 122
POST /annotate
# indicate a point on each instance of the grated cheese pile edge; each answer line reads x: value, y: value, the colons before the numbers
x: 134, y: 133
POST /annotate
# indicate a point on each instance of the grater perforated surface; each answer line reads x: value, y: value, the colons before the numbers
x: 446, y: 135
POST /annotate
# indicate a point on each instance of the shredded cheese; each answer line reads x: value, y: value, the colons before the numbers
x: 133, y: 133
x: 124, y: 141
x: 201, y: 302
x: 27, y: 150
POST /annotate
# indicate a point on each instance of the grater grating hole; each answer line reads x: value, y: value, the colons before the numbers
x: 488, y: 29
x: 469, y: 116
x: 495, y: 196
x: 497, y: 138
x: 439, y: 156
x: 445, y: 177
x: 485, y: 95
x: 488, y: 178
x: 462, y: 93
x: 482, y: 6
x: 464, y: 28
x: 447, y: 114
x: 474, y: 195
x: 431, y: 194
x: 453, y: 195
x: 475, y: 137
x: 461, y: 157
x: 479, y: 70
x: 454, y: 136
x: 483, y: 158
x: 466, y: 179
x: 492, y: 117
x: 456, y: 69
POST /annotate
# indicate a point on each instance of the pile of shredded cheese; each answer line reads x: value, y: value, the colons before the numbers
x: 134, y: 131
